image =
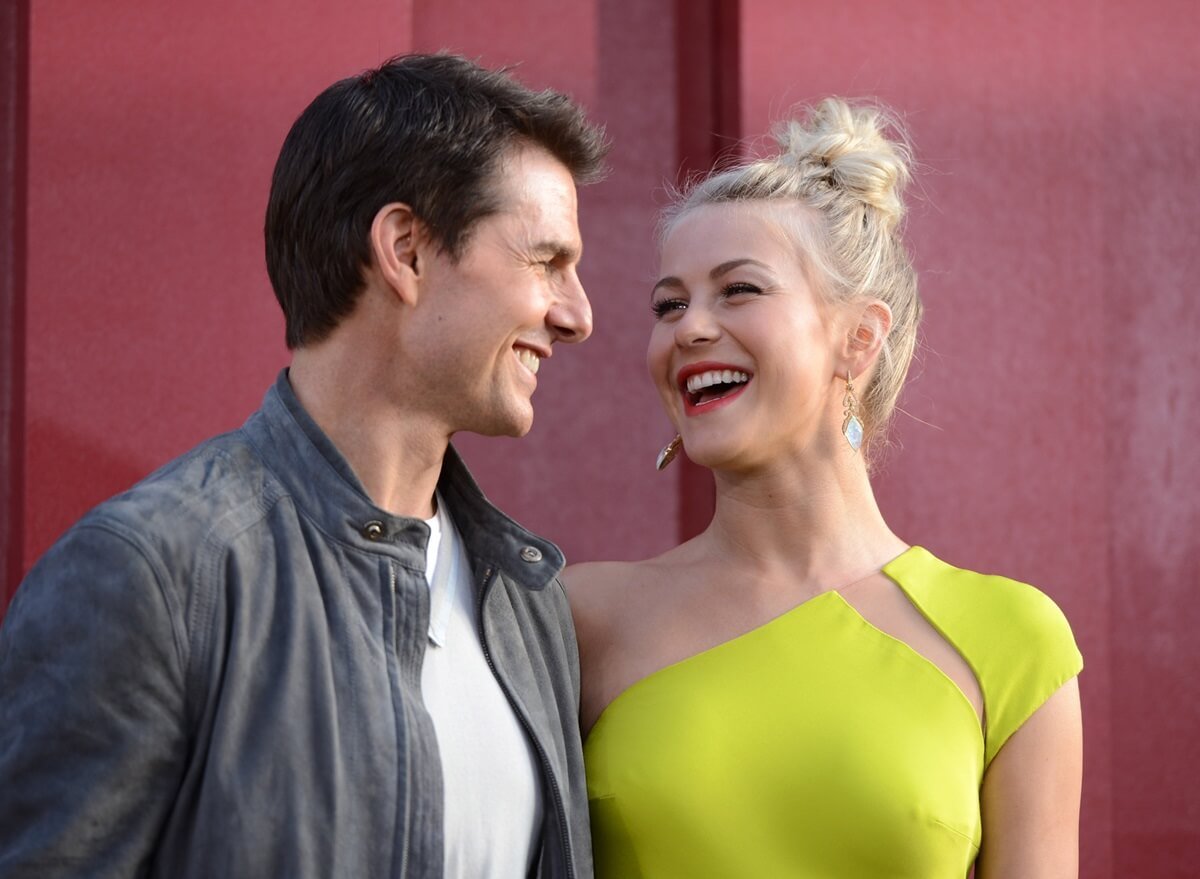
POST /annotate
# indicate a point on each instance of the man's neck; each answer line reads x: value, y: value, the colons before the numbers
x: 396, y: 454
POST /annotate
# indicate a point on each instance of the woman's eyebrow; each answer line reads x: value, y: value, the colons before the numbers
x: 730, y: 265
x: 669, y: 281
x: 724, y: 268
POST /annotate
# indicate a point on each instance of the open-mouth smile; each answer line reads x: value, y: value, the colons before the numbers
x: 709, y: 386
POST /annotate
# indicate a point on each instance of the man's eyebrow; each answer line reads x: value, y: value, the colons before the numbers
x: 724, y: 268
x: 558, y: 251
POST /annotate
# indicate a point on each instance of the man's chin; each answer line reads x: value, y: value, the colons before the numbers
x: 518, y: 431
x: 513, y: 425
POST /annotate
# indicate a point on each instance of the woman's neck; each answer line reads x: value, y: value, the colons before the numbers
x: 817, y: 524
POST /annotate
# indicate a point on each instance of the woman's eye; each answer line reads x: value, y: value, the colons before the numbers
x: 739, y: 288
x: 663, y: 306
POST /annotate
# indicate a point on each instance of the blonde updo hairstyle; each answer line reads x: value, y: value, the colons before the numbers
x: 846, y: 176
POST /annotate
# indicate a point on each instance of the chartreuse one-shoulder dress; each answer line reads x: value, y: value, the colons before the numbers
x: 817, y: 745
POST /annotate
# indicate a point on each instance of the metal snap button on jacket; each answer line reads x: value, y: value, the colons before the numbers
x: 373, y: 530
x: 531, y: 554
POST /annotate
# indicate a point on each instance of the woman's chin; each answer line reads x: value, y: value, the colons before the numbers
x: 723, y: 456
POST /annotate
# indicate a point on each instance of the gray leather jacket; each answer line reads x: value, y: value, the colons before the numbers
x: 217, y: 673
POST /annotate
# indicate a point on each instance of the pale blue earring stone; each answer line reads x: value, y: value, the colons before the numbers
x: 853, y: 431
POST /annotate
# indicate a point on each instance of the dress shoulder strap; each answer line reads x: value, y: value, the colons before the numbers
x: 1013, y: 636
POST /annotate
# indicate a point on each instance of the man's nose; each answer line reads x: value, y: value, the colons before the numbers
x: 571, y: 315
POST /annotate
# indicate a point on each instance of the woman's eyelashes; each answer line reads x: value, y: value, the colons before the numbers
x: 739, y: 287
x: 662, y: 307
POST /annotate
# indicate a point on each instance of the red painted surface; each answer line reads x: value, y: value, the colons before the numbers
x: 1053, y: 410
x: 153, y: 130
x: 1151, y: 384
x: 14, y: 118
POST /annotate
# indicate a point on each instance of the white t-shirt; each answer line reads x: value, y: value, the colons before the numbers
x: 493, y: 796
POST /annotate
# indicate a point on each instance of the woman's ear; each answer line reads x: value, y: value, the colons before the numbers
x: 869, y: 328
x: 393, y: 240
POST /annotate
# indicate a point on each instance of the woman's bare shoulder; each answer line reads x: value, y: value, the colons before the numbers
x: 600, y: 592
x: 592, y: 587
x: 590, y: 576
x: 596, y: 579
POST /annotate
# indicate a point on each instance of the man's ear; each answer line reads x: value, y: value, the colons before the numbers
x: 393, y: 240
x: 869, y: 326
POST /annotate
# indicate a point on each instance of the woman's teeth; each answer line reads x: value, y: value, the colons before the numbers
x: 530, y: 360
x: 704, y: 380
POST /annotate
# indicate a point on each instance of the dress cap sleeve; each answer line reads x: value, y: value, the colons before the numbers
x: 1013, y: 636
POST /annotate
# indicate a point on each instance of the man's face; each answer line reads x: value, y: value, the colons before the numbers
x: 486, y: 323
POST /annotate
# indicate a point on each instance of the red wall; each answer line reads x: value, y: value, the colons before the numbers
x: 1149, y: 214
x: 1052, y: 415
x: 153, y: 129
x: 14, y: 119
x: 151, y: 324
x: 1050, y: 427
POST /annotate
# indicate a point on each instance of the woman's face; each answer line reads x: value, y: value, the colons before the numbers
x: 744, y: 352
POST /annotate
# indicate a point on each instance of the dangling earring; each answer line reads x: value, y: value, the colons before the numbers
x: 852, y: 428
x: 668, y: 453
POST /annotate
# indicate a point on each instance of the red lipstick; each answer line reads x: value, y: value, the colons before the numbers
x: 702, y: 402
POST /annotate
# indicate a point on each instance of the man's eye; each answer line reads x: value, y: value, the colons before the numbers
x: 663, y: 306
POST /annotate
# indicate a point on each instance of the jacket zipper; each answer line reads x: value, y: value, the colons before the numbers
x: 560, y: 808
x: 404, y: 843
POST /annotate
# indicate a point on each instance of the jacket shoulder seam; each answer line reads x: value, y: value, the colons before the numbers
x: 213, y: 550
x: 161, y: 578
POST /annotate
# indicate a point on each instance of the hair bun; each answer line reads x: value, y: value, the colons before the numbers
x: 847, y: 147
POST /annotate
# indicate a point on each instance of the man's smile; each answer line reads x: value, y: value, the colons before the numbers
x: 530, y: 359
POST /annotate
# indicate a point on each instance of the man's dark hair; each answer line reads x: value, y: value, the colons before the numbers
x: 425, y: 130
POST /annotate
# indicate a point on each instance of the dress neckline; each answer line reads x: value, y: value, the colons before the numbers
x: 888, y: 570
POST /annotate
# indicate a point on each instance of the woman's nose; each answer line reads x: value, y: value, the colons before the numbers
x: 697, y: 326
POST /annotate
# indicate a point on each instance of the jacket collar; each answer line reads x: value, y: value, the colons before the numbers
x: 324, y: 488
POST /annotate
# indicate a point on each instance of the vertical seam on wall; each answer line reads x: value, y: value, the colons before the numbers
x: 708, y: 60
x: 14, y: 133
x: 727, y: 89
